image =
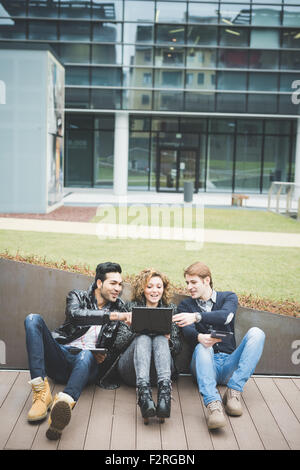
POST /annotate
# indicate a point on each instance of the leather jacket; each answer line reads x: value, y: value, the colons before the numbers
x: 82, y: 312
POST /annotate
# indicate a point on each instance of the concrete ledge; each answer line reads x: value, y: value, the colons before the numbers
x: 27, y: 288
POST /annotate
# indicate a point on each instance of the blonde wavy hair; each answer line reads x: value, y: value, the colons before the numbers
x: 141, y: 280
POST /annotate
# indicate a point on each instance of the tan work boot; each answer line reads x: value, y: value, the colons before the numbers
x: 215, y: 418
x: 60, y: 415
x: 41, y: 400
x: 232, y: 402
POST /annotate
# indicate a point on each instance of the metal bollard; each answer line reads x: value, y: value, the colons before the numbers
x: 188, y: 191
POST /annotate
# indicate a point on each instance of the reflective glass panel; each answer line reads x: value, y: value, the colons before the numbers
x: 198, y: 35
x: 276, y: 160
x: 137, y: 77
x: 286, y: 81
x: 169, y: 56
x: 260, y: 59
x: 250, y: 126
x: 43, y: 8
x: 260, y: 103
x: 139, y: 11
x: 231, y: 58
x: 263, y: 81
x: 12, y: 28
x: 290, y: 60
x: 231, y: 80
x: 221, y: 126
x: 219, y: 163
x: 278, y: 126
x: 42, y: 30
x: 79, y: 157
x: 168, y: 100
x: 103, y: 10
x: 231, y: 102
x: 77, y: 76
x: 107, y: 32
x: 138, y: 162
x: 103, y: 158
x: 176, y: 14
x: 79, y: 53
x: 204, y: 80
x: 169, y: 79
x: 291, y: 16
x: 105, y: 99
x: 198, y: 58
x: 77, y: 98
x: 233, y: 15
x: 138, y: 33
x: 13, y: 8
x: 75, y: 9
x: 266, y: 16
x: 137, y: 55
x: 170, y: 34
x: 74, y: 31
x: 286, y: 105
x: 203, y: 13
x: 199, y: 101
x: 137, y: 99
x: 248, y: 163
x: 291, y: 38
x: 106, y: 76
x: 232, y: 36
x: 268, y: 37
x: 106, y: 54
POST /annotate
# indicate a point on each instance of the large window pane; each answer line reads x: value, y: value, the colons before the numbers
x: 77, y: 98
x: 43, y: 8
x: 286, y: 80
x: 79, y: 157
x: 77, y: 76
x: 103, y: 158
x: 106, y: 76
x: 137, y: 99
x: 219, y: 163
x: 74, y: 31
x: 231, y: 80
x: 259, y: 81
x: 250, y: 126
x: 268, y: 37
x: 248, y: 163
x: 137, y: 55
x: 77, y: 53
x: 291, y: 16
x: 203, y: 13
x: 74, y: 9
x: 290, y: 38
x: 169, y: 56
x: 204, y: 80
x: 12, y: 28
x: 199, y: 102
x: 175, y: 14
x: 198, y: 58
x: 139, y: 11
x: 266, y: 16
x: 43, y: 30
x: 231, y: 102
x: 233, y: 58
x: 168, y: 101
x: 103, y: 10
x: 286, y: 106
x: 278, y: 126
x: 260, y: 103
x: 138, y: 33
x: 232, y: 36
x: 202, y: 35
x: 105, y: 99
x: 138, y: 164
x: 107, y: 32
x: 290, y: 60
x: 260, y: 59
x: 276, y: 160
x: 169, y: 79
x: 137, y: 77
x: 170, y: 34
x: 13, y: 8
x: 106, y: 54
x: 234, y: 14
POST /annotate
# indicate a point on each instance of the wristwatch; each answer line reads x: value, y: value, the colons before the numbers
x: 198, y: 317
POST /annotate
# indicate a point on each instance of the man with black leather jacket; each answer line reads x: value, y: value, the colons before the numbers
x: 65, y: 354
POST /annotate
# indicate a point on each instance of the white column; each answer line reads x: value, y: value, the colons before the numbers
x: 297, y: 162
x: 121, y: 143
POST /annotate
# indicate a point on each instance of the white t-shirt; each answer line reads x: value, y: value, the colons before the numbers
x: 89, y: 339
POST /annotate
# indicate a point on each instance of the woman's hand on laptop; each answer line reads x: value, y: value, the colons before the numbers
x: 184, y: 318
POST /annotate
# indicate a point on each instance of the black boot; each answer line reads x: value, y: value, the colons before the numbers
x: 163, y: 409
x: 146, y: 402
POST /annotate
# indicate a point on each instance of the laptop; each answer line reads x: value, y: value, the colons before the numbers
x: 152, y: 320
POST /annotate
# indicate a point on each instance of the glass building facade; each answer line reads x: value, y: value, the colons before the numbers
x: 207, y: 86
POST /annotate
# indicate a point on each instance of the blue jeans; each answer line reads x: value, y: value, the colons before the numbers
x: 232, y: 370
x: 47, y: 357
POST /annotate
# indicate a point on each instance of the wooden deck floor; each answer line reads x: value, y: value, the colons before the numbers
x: 110, y: 420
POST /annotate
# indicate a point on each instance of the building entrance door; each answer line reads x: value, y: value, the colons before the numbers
x: 175, y: 166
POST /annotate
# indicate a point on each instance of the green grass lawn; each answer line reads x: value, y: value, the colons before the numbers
x: 267, y: 272
x: 223, y: 219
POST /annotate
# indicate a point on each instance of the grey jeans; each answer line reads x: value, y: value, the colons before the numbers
x: 146, y: 361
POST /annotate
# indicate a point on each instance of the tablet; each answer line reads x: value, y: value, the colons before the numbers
x: 99, y: 350
x: 149, y: 320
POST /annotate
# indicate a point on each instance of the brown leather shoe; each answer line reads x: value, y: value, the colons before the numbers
x: 232, y: 402
x: 215, y: 418
x: 41, y: 399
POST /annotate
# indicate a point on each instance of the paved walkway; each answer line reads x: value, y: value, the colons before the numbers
x: 133, y: 231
